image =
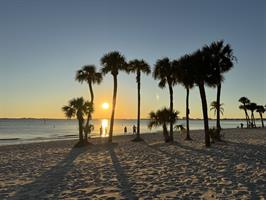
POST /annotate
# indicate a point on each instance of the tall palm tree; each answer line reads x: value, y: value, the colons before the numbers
x: 260, y: 109
x: 245, y: 101
x: 78, y: 108
x: 163, y: 118
x: 113, y: 62
x: 183, y: 70
x: 138, y: 67
x: 203, y: 74
x: 164, y: 72
x: 215, y: 107
x: 88, y: 74
x: 221, y: 59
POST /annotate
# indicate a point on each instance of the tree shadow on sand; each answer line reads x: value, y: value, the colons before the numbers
x: 121, y: 175
x: 42, y: 188
x: 248, y: 157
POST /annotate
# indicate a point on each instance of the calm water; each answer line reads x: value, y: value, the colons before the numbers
x: 14, y: 131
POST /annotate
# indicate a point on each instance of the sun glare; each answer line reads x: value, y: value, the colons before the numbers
x: 105, y: 105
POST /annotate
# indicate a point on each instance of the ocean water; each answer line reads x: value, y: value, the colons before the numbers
x: 15, y: 131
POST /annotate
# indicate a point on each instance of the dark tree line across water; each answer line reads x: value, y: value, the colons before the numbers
x: 202, y: 68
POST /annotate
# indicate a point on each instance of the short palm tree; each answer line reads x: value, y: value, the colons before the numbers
x: 221, y: 59
x: 260, y: 109
x: 113, y: 62
x: 138, y: 67
x: 245, y: 101
x: 164, y: 72
x: 183, y: 72
x: 78, y: 108
x: 215, y: 107
x: 88, y: 74
x: 163, y: 118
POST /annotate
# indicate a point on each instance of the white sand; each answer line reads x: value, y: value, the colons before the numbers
x: 147, y: 170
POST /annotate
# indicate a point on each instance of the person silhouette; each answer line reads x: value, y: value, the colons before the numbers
x: 101, y: 131
x: 134, y: 129
x: 125, y: 130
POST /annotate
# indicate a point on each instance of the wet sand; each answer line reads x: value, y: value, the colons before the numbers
x: 234, y: 169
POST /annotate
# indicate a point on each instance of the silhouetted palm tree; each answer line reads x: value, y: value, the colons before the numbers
x: 245, y: 101
x: 215, y: 107
x: 78, y: 107
x: 252, y: 107
x: 183, y: 71
x: 260, y: 109
x: 164, y: 72
x: 113, y: 62
x: 203, y: 74
x: 138, y: 67
x: 221, y: 59
x: 88, y: 74
x: 162, y: 118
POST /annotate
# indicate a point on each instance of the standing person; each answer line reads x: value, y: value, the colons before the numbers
x: 101, y: 131
x: 125, y: 130
x: 134, y: 129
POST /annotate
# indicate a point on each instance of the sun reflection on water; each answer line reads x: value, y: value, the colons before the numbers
x: 103, y: 129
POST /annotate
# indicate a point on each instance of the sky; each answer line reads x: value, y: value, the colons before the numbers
x: 43, y: 44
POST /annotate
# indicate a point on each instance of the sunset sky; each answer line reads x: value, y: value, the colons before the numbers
x: 43, y: 44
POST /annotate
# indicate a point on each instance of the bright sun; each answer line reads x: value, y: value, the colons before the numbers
x: 105, y: 105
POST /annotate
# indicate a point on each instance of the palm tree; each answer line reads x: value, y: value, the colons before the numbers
x: 183, y: 72
x: 113, y: 62
x: 163, y: 118
x: 203, y: 74
x: 221, y: 59
x: 260, y: 109
x: 164, y: 72
x: 252, y: 107
x: 88, y: 74
x: 215, y: 107
x: 138, y: 66
x: 78, y: 107
x: 245, y: 101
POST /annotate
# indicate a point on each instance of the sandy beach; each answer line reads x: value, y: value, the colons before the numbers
x: 152, y: 169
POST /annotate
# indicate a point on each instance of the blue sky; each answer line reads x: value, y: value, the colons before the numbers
x: 43, y: 43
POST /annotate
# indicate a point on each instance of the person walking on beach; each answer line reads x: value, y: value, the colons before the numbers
x: 134, y: 129
x: 125, y: 130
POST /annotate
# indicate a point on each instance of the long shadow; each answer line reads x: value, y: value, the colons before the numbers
x: 121, y: 175
x: 42, y: 188
x: 242, y: 153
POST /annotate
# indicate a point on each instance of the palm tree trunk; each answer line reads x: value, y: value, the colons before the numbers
x: 113, y: 110
x: 187, y: 115
x: 262, y: 123
x: 80, y: 131
x: 165, y: 133
x: 91, y: 92
x: 218, y: 125
x: 171, y: 109
x: 138, y: 123
x: 254, y: 121
x: 205, y: 114
x: 89, y: 114
x: 247, y: 117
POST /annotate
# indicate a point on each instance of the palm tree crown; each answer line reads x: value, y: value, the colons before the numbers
x: 113, y: 62
x: 163, y: 72
x: 88, y: 73
x: 77, y: 107
x: 215, y: 106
